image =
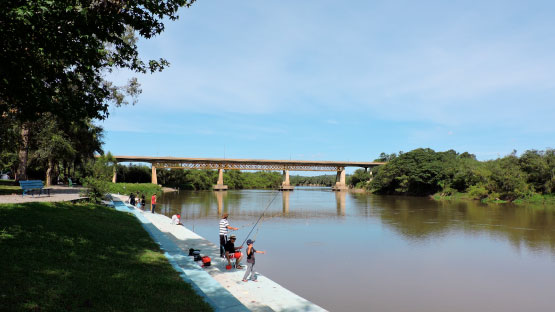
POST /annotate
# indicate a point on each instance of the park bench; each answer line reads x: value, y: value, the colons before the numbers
x: 31, y: 186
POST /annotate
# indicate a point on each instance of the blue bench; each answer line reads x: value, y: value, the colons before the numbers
x: 31, y: 186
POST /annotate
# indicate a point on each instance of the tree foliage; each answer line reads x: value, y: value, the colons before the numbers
x: 321, y: 180
x: 56, y: 55
x: 58, y: 52
x: 199, y: 179
x: 424, y: 171
x: 97, y: 181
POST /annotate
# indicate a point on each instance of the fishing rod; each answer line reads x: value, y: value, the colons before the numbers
x: 263, y: 212
x: 240, y: 228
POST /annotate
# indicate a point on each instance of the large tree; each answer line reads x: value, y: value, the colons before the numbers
x: 55, y: 55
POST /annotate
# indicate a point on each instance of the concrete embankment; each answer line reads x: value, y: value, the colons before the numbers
x: 223, y: 289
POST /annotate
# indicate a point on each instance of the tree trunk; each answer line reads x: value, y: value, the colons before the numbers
x: 49, y: 172
x: 23, y: 152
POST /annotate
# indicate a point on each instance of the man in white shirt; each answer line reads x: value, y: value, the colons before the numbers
x: 224, y: 227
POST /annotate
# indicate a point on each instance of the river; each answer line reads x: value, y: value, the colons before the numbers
x: 361, y: 252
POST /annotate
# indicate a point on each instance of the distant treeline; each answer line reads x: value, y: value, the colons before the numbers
x: 424, y: 172
x: 321, y: 180
x: 199, y: 179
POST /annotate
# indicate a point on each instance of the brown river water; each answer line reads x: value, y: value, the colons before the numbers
x: 361, y: 252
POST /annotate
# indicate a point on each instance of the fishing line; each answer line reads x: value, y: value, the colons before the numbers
x: 263, y: 219
x: 263, y: 212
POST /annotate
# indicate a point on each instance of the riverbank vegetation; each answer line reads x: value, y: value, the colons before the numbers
x: 147, y: 189
x: 185, y: 179
x: 422, y: 172
x: 320, y: 180
x: 62, y: 256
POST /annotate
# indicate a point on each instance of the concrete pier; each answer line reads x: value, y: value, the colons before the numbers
x: 340, y: 184
x: 220, y: 186
x: 154, y: 176
x: 286, y: 185
x: 223, y: 289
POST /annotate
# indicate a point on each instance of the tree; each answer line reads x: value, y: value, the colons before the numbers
x: 56, y: 53
x: 419, y: 172
x: 99, y: 177
x: 53, y: 145
x: 507, y: 180
x: 386, y: 157
x: 359, y: 178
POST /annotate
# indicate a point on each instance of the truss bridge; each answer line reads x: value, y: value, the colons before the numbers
x: 222, y: 164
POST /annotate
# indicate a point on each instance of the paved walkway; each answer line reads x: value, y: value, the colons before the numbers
x: 57, y: 193
x: 264, y: 295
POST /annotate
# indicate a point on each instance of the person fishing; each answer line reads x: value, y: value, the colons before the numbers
x: 250, y: 261
x: 232, y: 252
x: 224, y: 227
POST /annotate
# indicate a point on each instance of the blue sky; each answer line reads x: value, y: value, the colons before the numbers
x: 345, y: 81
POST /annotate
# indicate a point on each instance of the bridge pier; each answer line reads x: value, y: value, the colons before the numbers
x: 340, y: 184
x: 114, y: 177
x: 220, y: 185
x: 286, y: 185
x: 154, y: 177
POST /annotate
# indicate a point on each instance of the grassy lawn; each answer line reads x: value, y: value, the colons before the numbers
x: 9, y: 187
x: 61, y: 256
x: 137, y: 188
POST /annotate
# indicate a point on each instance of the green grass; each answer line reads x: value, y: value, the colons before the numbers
x: 9, y: 187
x: 455, y: 196
x: 137, y: 188
x: 61, y: 256
x: 536, y: 199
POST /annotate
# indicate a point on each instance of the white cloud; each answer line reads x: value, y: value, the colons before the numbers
x: 384, y: 59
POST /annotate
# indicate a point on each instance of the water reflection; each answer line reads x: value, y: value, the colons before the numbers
x: 220, y: 199
x: 340, y: 198
x: 416, y: 219
x: 285, y: 202
x: 393, y: 253
x: 421, y: 219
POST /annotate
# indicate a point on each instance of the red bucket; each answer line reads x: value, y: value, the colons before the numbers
x: 206, y: 261
x: 228, y: 267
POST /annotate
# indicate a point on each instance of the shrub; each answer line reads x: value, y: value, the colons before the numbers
x: 95, y: 189
x: 477, y: 191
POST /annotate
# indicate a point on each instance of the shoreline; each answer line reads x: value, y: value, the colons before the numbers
x: 264, y: 295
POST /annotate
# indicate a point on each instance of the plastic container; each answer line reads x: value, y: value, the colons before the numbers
x: 206, y: 261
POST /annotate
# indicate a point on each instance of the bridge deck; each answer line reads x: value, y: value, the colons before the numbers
x: 245, y: 164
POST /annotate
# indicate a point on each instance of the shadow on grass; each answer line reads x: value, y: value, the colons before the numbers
x: 9, y: 187
x: 60, y: 256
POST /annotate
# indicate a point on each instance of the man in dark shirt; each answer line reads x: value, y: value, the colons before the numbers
x: 230, y: 250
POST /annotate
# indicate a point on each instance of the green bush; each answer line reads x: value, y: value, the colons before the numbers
x: 95, y: 189
x: 101, y: 171
x: 477, y: 191
x: 146, y: 189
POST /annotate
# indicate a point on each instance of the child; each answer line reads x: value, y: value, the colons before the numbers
x: 250, y: 260
x: 176, y: 219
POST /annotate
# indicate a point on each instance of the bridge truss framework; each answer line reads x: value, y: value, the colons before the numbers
x: 222, y: 164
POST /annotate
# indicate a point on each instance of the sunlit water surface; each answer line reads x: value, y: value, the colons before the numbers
x: 359, y: 252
